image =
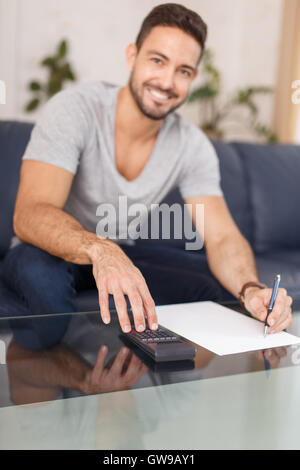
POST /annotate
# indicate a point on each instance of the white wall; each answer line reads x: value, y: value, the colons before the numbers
x: 244, y: 35
x: 8, y: 64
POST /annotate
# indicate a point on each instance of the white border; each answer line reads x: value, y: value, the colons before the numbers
x: 8, y: 42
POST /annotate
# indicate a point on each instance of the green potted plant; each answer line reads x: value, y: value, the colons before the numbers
x: 215, y: 114
x: 59, y: 71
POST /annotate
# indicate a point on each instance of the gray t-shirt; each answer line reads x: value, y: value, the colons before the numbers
x: 76, y: 132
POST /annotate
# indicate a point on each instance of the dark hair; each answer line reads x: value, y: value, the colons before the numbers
x: 173, y: 14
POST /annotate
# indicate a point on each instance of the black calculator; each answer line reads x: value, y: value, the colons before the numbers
x: 161, y: 344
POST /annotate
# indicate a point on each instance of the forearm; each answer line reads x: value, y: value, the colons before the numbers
x: 58, y: 233
x: 232, y: 262
x: 57, y: 368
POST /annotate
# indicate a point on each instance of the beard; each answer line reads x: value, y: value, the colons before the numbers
x: 150, y: 112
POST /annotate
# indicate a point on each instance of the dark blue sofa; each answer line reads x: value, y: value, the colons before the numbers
x: 261, y: 184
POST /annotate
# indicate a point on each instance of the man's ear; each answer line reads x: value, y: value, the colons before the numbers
x: 131, y: 53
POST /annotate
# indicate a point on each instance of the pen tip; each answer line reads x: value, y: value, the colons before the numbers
x: 265, y: 331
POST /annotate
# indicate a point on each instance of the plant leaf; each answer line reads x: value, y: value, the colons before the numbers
x: 49, y: 62
x: 71, y: 76
x: 266, y: 132
x: 32, y: 105
x: 54, y: 84
x: 203, y: 92
x: 62, y: 49
x: 34, y: 86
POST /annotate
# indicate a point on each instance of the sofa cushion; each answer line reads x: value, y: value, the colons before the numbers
x: 13, y: 137
x: 273, y: 174
x: 285, y: 262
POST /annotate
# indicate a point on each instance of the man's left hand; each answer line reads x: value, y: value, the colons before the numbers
x: 257, y: 301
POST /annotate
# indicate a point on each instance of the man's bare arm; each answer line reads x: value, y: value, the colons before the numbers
x: 229, y: 254
x: 39, y: 219
x: 231, y: 260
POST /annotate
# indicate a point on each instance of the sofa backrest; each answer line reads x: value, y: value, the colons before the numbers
x: 13, y: 140
x: 261, y: 185
x: 273, y: 184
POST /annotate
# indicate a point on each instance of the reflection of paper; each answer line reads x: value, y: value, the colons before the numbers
x: 219, y: 329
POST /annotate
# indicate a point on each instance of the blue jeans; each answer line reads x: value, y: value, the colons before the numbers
x: 47, y: 284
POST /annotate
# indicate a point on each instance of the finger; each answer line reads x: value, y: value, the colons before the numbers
x: 279, y: 311
x: 287, y: 321
x: 118, y: 364
x: 127, y: 361
x: 281, y: 352
x: 259, y: 355
x: 257, y: 306
x: 100, y: 361
x: 283, y: 323
x: 121, y: 307
x: 149, y: 305
x: 133, y: 366
x: 272, y: 357
x: 141, y: 372
x: 104, y: 303
x: 135, y: 370
x: 137, y: 308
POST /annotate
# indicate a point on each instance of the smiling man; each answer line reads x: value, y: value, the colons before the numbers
x: 157, y: 97
x: 97, y: 141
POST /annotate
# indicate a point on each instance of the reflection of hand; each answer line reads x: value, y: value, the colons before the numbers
x: 124, y: 371
x: 272, y: 355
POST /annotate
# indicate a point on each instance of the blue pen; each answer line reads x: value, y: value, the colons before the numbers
x: 267, y: 365
x: 272, y: 301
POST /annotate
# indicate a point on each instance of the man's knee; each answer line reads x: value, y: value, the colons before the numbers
x: 27, y: 264
x: 44, y: 282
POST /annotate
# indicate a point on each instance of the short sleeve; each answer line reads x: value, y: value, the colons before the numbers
x: 201, y: 173
x: 59, y: 135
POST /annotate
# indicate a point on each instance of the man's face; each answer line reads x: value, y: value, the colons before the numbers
x: 162, y: 70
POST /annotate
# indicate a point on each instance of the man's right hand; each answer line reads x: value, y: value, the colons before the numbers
x: 116, y: 274
x: 39, y: 219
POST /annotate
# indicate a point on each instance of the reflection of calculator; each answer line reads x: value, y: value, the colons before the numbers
x: 162, y: 344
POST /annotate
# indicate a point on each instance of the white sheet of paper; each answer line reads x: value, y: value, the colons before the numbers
x: 219, y: 329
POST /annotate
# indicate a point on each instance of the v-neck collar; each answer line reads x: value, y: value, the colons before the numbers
x: 152, y: 163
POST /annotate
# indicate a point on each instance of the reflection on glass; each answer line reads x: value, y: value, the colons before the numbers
x: 40, y: 375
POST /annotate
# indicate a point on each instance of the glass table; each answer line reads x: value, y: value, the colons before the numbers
x: 69, y: 382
